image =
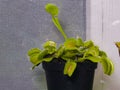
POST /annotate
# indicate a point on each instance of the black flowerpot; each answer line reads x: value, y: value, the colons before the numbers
x: 82, y: 78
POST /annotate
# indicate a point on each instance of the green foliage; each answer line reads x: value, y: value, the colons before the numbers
x: 70, y: 66
x: 72, y: 53
x: 50, y: 46
x: 118, y: 46
x: 52, y: 9
x: 73, y: 50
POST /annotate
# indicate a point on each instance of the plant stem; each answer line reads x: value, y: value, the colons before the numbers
x: 58, y: 25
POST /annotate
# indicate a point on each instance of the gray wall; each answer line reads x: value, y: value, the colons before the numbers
x: 25, y: 24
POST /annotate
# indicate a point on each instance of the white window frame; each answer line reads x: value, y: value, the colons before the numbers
x: 94, y: 19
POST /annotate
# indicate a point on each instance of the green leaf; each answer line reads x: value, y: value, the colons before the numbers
x: 33, y: 51
x: 36, y: 64
x: 34, y: 58
x: 102, y: 54
x: 111, y: 67
x: 51, y: 50
x: 94, y: 59
x: 48, y: 59
x: 50, y: 46
x: 107, y: 65
x: 66, y: 58
x: 88, y: 44
x: 52, y: 9
x: 117, y: 45
x: 80, y: 59
x: 70, y: 44
x: 42, y: 54
x: 92, y: 51
x: 79, y: 42
x: 104, y: 64
x: 59, y: 51
x: 70, y: 53
x: 69, y: 68
x: 59, y: 27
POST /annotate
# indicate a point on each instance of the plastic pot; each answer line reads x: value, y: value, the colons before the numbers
x: 82, y: 78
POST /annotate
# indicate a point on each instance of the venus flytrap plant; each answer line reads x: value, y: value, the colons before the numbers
x: 72, y: 51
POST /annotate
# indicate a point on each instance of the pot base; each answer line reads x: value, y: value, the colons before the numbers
x: 82, y: 78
